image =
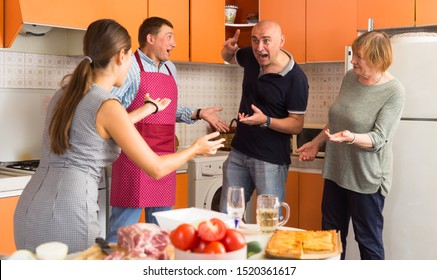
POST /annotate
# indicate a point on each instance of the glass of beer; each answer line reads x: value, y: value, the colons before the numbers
x: 268, y: 212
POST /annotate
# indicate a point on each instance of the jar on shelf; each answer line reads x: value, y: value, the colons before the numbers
x: 230, y: 13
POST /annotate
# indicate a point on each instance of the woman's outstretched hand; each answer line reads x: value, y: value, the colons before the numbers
x: 206, y: 146
x: 162, y: 103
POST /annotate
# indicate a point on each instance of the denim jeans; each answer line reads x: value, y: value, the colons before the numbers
x: 252, y: 174
x: 121, y: 217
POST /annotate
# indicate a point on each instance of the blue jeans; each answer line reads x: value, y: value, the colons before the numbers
x: 252, y: 174
x: 121, y: 217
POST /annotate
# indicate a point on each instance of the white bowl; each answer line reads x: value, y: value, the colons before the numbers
x: 169, y: 220
x: 52, y: 251
x: 234, y: 255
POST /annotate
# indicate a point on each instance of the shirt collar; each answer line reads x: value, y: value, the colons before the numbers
x: 148, y: 60
x: 286, y: 69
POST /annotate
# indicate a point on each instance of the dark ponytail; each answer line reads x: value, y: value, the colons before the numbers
x: 103, y: 40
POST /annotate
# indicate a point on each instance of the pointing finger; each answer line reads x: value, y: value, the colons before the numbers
x: 236, y: 35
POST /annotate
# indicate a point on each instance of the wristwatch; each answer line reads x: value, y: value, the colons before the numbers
x: 267, y: 123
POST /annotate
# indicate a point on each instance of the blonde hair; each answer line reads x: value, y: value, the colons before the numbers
x: 375, y: 48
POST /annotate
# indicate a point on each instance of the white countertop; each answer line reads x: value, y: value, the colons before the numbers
x: 12, y: 185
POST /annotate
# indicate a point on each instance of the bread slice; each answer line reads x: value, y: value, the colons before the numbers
x: 310, y: 244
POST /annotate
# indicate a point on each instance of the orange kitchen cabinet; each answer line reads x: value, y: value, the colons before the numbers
x: 181, y: 194
x: 68, y: 14
x: 426, y: 12
x: 310, y: 201
x: 2, y: 23
x: 178, y: 13
x: 290, y: 14
x: 7, y: 209
x: 207, y: 32
x: 181, y: 191
x: 330, y: 26
x: 304, y: 195
x: 386, y: 13
x: 129, y: 13
x: 72, y: 14
x: 12, y: 21
x: 292, y: 198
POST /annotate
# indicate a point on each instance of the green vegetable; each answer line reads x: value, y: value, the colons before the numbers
x: 253, y: 248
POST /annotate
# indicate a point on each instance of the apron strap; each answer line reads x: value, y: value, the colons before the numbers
x: 168, y: 69
x: 137, y: 56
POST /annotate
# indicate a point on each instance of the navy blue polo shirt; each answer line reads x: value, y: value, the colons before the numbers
x: 276, y: 95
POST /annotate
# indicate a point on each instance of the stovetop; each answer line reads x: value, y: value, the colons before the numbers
x: 24, y: 167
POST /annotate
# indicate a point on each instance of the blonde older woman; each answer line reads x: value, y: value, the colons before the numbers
x: 358, y: 139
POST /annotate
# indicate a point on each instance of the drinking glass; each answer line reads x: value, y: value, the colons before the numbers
x: 236, y: 204
x: 267, y: 212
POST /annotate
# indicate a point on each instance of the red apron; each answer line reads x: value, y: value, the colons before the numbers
x: 131, y: 187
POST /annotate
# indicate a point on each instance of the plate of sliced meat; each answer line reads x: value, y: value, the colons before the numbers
x: 139, y: 241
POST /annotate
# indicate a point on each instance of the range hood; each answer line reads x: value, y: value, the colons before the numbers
x: 34, y: 30
x: 36, y: 17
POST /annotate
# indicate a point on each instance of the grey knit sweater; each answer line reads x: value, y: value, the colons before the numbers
x: 375, y: 110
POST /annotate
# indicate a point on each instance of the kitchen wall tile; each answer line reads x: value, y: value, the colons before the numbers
x: 200, y: 85
x: 337, y: 79
x: 325, y: 82
x: 53, y: 77
x: 34, y: 76
x: 71, y: 62
x: 14, y: 59
x: 325, y: 69
x: 2, y: 69
x: 313, y: 83
x: 34, y: 60
x: 14, y: 76
x: 54, y: 61
x: 310, y: 69
x: 338, y: 68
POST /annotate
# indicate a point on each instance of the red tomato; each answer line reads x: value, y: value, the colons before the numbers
x: 200, y: 246
x: 234, y: 240
x: 184, y: 237
x: 212, y: 230
x: 215, y: 247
